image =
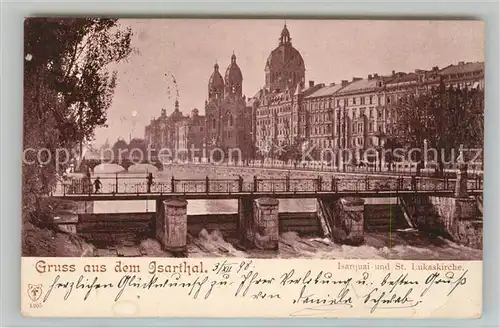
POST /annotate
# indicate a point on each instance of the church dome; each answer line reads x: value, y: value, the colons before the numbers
x: 285, y: 67
x: 216, y: 82
x: 285, y: 55
x: 233, y: 73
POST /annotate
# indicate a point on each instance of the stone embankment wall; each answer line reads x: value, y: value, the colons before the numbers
x: 456, y: 218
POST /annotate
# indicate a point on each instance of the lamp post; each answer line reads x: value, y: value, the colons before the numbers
x: 134, y: 116
x: 381, y: 141
x: 345, y: 132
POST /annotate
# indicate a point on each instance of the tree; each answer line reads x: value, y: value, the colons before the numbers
x: 67, y: 89
x: 137, y: 147
x: 294, y: 150
x: 120, y: 148
x: 443, y: 117
x: 73, y: 57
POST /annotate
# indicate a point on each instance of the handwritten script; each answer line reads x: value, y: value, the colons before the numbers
x: 308, y: 291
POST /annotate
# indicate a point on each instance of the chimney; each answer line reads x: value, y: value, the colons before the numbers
x: 354, y: 79
x: 461, y: 63
x: 375, y: 75
x: 393, y: 72
x: 344, y: 83
x: 369, y: 76
x: 332, y: 84
x: 435, y: 68
x: 311, y: 84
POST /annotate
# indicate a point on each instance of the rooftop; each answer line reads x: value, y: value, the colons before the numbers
x: 359, y: 85
x: 325, y: 91
x: 462, y: 67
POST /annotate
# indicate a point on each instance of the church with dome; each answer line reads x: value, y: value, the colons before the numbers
x: 285, y: 67
x: 278, y: 116
x: 274, y: 113
x: 355, y: 114
x: 226, y: 115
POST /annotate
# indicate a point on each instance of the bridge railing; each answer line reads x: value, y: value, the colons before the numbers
x: 138, y: 185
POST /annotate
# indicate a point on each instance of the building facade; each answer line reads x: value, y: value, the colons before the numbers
x: 354, y: 114
x: 162, y: 132
x: 191, y: 137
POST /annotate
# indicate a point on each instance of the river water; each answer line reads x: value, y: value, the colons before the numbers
x: 409, y: 244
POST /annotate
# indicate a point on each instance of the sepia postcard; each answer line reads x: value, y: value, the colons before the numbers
x: 252, y: 168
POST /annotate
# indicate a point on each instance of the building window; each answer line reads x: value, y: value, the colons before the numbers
x: 362, y: 99
x: 370, y: 127
x: 354, y: 100
x: 338, y: 102
x: 388, y: 100
x: 371, y: 100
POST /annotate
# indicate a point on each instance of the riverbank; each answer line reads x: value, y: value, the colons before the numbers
x: 48, y: 242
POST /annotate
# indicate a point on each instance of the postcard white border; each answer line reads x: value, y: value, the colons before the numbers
x: 11, y: 113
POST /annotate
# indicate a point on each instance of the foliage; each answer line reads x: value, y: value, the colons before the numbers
x: 289, y: 150
x: 68, y: 87
x: 444, y: 117
x: 137, y: 143
x: 71, y: 57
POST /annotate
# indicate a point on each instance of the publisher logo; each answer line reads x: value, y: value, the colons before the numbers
x: 34, y: 292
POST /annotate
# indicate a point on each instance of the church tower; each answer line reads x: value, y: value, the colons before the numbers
x: 233, y: 79
x: 215, y: 85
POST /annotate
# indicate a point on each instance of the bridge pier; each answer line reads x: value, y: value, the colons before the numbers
x: 171, y: 224
x: 258, y: 223
x: 342, y: 219
x: 245, y: 217
x: 349, y: 219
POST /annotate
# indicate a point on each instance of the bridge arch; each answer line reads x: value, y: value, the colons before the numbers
x: 108, y: 168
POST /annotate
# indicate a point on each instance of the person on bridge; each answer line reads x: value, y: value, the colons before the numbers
x: 420, y: 166
x: 149, y: 181
x: 413, y: 182
x: 88, y: 183
x: 97, y: 185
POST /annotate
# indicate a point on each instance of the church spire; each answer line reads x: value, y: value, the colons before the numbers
x: 285, y: 36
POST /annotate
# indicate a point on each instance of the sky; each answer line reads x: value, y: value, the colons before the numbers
x: 178, y: 55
